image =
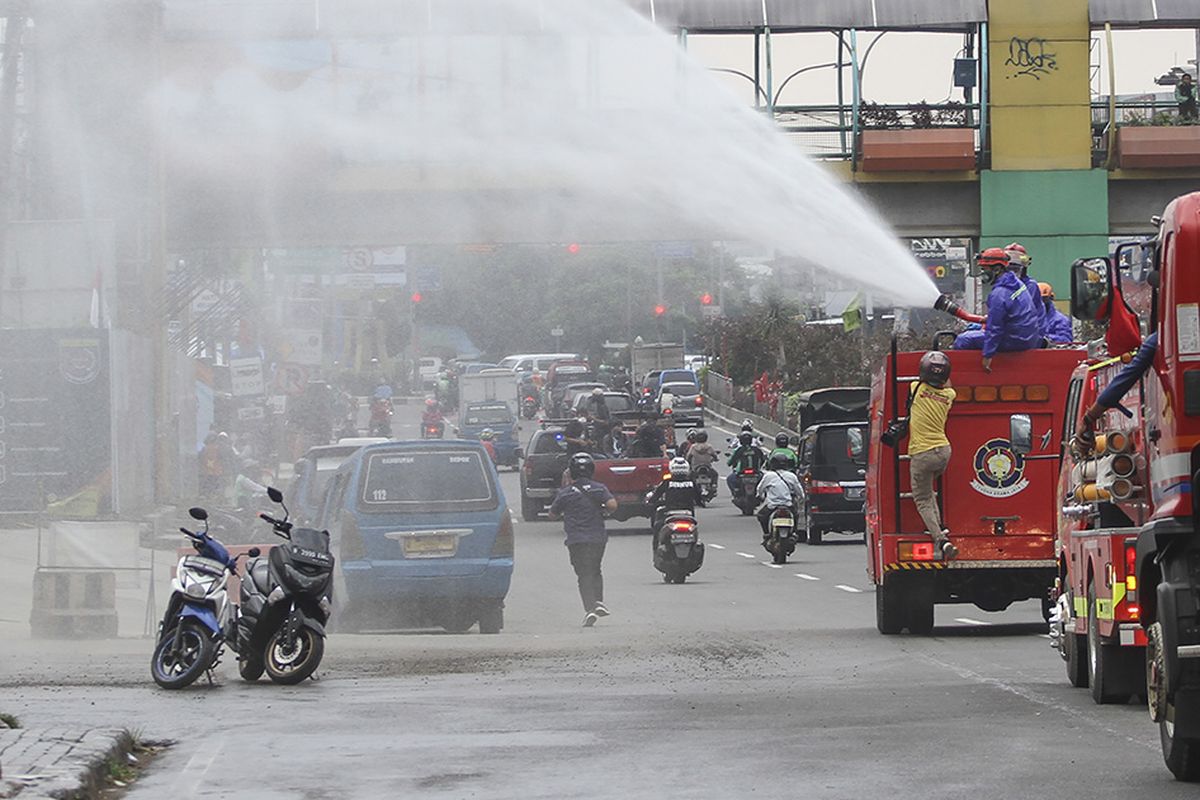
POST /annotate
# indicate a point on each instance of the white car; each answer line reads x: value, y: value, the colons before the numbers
x: 429, y: 367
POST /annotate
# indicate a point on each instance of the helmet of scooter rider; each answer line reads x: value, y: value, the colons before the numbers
x: 582, y: 466
x: 486, y: 435
x: 779, y: 462
x: 430, y: 402
x: 701, y: 435
x: 747, y: 426
x: 691, y: 435
x: 679, y: 467
x: 745, y: 437
x: 597, y: 392
x: 935, y: 368
x: 782, y: 440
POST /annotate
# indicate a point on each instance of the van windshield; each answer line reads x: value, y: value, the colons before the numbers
x: 840, y: 454
x: 427, y: 480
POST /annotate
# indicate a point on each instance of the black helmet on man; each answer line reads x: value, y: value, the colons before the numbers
x: 779, y: 461
x: 701, y: 435
x: 935, y: 368
x: 582, y: 466
x: 745, y: 437
x: 782, y: 439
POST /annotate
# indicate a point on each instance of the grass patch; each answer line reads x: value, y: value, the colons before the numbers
x: 121, y: 771
x: 9, y: 721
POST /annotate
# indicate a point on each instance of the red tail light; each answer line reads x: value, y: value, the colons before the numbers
x: 699, y: 400
x: 505, y: 541
x: 747, y: 472
x: 824, y: 487
x: 684, y: 527
x: 667, y: 410
x: 923, y: 551
x: 1131, y: 576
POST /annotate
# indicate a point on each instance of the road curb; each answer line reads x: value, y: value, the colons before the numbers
x: 59, y: 764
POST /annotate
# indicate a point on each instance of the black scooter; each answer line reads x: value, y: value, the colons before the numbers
x: 678, y: 551
x: 706, y: 479
x: 285, y: 604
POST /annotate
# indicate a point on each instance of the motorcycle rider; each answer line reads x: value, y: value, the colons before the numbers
x: 432, y: 415
x: 686, y: 444
x: 1056, y: 326
x: 676, y: 492
x: 1014, y: 319
x: 779, y: 488
x: 747, y: 455
x: 485, y: 438
x: 784, y: 450
x: 701, y: 453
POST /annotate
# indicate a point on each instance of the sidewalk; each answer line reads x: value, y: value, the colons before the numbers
x: 55, y: 762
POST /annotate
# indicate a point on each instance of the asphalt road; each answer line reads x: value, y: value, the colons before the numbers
x: 748, y: 680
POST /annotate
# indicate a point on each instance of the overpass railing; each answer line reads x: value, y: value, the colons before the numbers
x: 831, y: 132
x: 1107, y: 118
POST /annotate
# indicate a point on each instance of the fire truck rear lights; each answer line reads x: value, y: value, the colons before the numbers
x: 1134, y: 612
x: 915, y: 551
x: 1009, y: 393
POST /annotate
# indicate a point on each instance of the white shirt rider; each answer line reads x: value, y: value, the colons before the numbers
x: 779, y: 488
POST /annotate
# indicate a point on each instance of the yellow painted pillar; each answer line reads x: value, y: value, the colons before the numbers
x: 1040, y: 93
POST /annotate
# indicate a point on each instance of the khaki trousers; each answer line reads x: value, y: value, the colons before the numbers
x: 925, y: 468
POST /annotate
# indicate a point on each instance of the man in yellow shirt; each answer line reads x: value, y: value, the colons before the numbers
x: 928, y: 447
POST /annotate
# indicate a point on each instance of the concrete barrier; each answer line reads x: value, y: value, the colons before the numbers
x: 74, y: 603
x: 732, y: 418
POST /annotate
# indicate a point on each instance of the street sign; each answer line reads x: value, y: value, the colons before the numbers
x: 204, y: 302
x: 277, y: 403
x: 302, y: 347
x: 246, y: 377
x: 556, y: 332
x: 251, y: 412
x: 710, y: 312
x: 361, y: 280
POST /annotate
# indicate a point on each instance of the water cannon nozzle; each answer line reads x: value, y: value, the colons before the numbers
x: 944, y: 303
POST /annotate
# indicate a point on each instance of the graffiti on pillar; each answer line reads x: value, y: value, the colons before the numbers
x: 1029, y: 57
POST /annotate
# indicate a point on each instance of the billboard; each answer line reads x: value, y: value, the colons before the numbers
x: 55, y: 436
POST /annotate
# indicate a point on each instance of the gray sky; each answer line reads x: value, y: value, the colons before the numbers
x: 909, y: 67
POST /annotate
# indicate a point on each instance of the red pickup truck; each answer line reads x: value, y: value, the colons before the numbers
x: 629, y: 479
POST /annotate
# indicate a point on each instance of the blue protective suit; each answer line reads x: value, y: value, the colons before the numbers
x: 1130, y: 374
x: 1013, y: 322
x: 1056, y: 326
x: 1039, y: 304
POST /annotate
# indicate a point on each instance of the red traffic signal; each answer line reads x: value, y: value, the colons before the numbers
x: 573, y: 248
x: 706, y: 299
x: 416, y: 297
x: 659, y: 310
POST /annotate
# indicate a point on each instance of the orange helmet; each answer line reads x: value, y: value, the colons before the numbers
x: 1047, y: 290
x: 992, y: 262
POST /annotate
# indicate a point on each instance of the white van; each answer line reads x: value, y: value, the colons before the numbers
x: 429, y: 367
x: 527, y: 362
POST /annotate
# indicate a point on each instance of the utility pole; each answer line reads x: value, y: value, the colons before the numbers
x: 10, y: 60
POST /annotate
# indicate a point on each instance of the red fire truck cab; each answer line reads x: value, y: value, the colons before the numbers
x: 997, y: 496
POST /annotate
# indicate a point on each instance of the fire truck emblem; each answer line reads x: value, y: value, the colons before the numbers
x: 999, y: 472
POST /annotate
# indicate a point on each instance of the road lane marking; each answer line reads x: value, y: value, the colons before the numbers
x: 807, y: 577
x: 846, y: 588
x: 772, y: 566
x: 745, y: 555
x: 716, y: 546
x: 969, y: 621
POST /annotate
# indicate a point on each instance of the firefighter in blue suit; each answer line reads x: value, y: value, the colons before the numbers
x: 1014, y: 321
x: 1056, y: 326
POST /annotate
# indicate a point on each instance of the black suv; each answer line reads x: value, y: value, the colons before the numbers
x: 833, y: 467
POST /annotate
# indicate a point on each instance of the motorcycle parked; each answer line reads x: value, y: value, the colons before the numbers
x: 780, y: 540
x: 285, y: 604
x: 678, y: 551
x: 746, y: 489
x: 706, y: 479
x: 198, y: 616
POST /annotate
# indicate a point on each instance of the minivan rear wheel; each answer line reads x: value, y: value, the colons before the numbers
x: 491, y: 617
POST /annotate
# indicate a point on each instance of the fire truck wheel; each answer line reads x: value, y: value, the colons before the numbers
x: 919, y: 603
x: 1104, y: 673
x: 889, y: 614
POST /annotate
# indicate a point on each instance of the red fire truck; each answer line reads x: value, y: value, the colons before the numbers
x: 997, y: 495
x: 1162, y: 438
x: 1095, y: 625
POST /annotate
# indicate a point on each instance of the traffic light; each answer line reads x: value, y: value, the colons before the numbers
x: 417, y: 298
x: 706, y: 299
x: 660, y: 310
x: 573, y: 248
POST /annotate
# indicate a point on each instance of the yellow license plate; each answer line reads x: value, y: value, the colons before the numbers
x: 439, y: 546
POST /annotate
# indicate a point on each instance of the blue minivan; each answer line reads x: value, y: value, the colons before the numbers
x: 423, y: 537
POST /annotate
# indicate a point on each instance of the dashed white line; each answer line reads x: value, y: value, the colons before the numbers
x: 772, y: 566
x: 746, y: 555
x: 846, y: 588
x: 806, y: 576
x: 969, y: 621
x: 715, y: 546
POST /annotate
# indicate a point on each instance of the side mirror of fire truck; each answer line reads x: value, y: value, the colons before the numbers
x: 1091, y: 289
x: 1020, y: 433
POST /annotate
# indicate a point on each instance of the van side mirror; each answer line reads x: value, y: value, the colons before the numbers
x: 1020, y: 433
x: 1091, y: 289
